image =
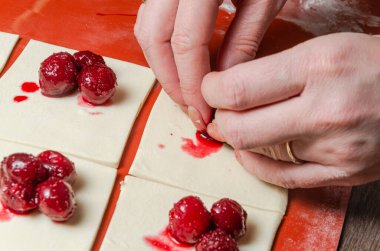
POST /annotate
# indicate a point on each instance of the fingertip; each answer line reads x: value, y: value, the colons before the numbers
x: 212, y: 130
x: 196, y: 118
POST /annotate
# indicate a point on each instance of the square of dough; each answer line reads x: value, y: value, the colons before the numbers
x: 7, y: 43
x: 161, y: 159
x: 37, y: 232
x: 95, y: 133
x: 142, y: 211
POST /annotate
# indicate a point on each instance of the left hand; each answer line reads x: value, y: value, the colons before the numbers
x: 323, y: 96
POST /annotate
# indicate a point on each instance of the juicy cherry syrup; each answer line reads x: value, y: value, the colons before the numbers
x: 29, y: 87
x: 165, y: 242
x: 20, y: 98
x: 5, y: 214
x: 203, y: 147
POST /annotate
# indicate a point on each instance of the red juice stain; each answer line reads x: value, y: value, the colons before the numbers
x: 5, y: 214
x: 204, y: 146
x: 165, y: 242
x: 157, y: 244
x: 161, y: 146
x: 96, y: 113
x: 81, y: 101
x: 20, y: 98
x: 116, y: 14
x: 29, y: 87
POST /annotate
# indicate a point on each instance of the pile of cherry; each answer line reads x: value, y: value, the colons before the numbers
x: 45, y: 182
x: 191, y: 223
x: 62, y: 73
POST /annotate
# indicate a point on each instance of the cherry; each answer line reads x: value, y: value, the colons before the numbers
x: 97, y: 84
x: 216, y: 240
x: 58, y: 166
x: 84, y: 58
x: 188, y: 220
x: 58, y: 74
x: 56, y: 199
x: 24, y: 169
x: 229, y: 216
x: 16, y: 197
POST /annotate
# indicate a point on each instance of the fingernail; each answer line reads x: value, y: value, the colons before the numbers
x: 183, y: 108
x: 197, y: 119
x: 212, y: 130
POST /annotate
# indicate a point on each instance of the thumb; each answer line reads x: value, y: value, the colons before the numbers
x: 246, y: 31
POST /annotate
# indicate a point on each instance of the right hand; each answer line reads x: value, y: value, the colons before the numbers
x: 174, y: 36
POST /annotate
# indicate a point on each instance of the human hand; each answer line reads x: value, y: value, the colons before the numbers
x: 323, y: 96
x: 174, y: 36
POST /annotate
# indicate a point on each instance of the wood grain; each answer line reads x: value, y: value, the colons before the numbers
x: 361, y: 230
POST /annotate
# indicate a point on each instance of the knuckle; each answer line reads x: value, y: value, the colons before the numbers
x: 235, y: 91
x: 182, y: 42
x: 246, y: 46
x: 352, y: 152
x: 190, y: 90
x: 233, y: 134
x: 335, y: 60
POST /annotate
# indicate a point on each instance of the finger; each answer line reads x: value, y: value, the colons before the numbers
x: 246, y: 31
x: 154, y: 31
x: 140, y: 12
x: 276, y: 152
x: 265, y: 126
x: 289, y: 175
x: 194, y: 26
x: 256, y: 83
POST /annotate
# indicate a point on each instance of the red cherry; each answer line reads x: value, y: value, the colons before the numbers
x: 84, y: 58
x: 229, y: 216
x: 58, y: 74
x: 188, y: 220
x: 216, y: 240
x: 97, y: 84
x: 56, y: 199
x: 24, y: 169
x: 16, y: 197
x: 58, y: 166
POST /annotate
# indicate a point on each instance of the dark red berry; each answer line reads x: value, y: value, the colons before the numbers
x: 56, y: 199
x: 58, y: 74
x: 97, y: 84
x: 85, y: 58
x: 216, y: 240
x: 188, y: 220
x: 24, y: 169
x: 229, y: 216
x: 16, y: 197
x: 58, y: 166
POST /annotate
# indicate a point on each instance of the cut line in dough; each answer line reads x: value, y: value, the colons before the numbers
x: 7, y: 43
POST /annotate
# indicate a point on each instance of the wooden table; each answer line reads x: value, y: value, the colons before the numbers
x: 361, y: 229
